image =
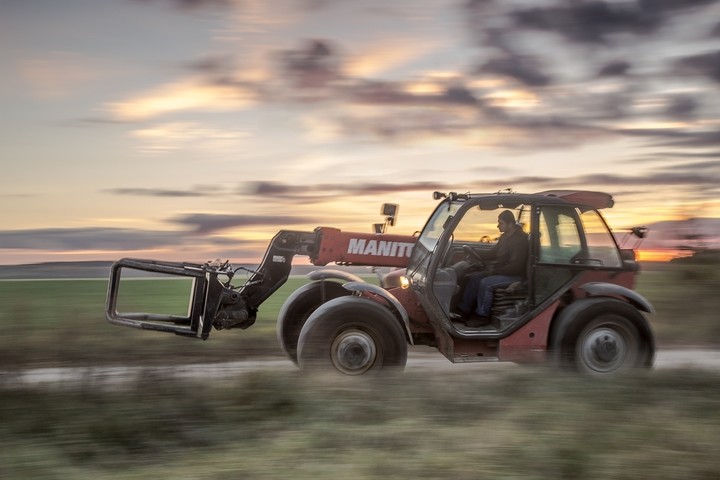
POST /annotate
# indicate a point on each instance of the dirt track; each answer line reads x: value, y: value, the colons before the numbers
x: 418, y: 360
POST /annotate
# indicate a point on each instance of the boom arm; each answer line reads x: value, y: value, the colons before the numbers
x: 219, y: 304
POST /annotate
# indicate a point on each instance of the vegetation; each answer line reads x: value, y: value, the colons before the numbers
x: 684, y: 294
x: 464, y: 423
x: 61, y: 322
x: 528, y: 423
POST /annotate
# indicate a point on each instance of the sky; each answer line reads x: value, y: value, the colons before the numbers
x: 196, y: 129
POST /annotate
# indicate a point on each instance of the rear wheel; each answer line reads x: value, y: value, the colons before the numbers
x: 352, y: 336
x: 297, y: 309
x: 603, y: 339
x: 607, y: 344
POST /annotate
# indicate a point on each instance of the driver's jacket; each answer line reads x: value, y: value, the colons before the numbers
x: 510, y: 254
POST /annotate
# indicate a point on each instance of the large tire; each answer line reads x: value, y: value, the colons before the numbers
x: 603, y: 337
x: 353, y: 336
x: 297, y: 309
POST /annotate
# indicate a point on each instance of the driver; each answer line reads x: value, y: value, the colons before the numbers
x: 509, y: 258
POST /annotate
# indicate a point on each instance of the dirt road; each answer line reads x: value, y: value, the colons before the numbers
x: 419, y: 359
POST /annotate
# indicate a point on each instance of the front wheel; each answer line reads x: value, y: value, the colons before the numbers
x: 297, y: 309
x: 353, y: 336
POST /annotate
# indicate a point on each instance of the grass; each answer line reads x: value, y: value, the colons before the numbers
x: 530, y: 423
x: 686, y: 303
x: 61, y: 322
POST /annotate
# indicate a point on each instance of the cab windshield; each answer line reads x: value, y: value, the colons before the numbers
x: 434, y: 227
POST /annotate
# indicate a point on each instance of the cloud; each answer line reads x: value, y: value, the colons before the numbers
x: 656, y: 179
x: 212, y: 64
x: 616, y: 68
x: 523, y: 68
x: 596, y: 22
x: 186, y: 136
x: 681, y: 107
x: 161, y: 192
x: 192, y: 5
x: 683, y: 154
x: 706, y: 64
x: 185, y: 95
x: 95, y: 239
x: 204, y: 223
x: 676, y: 136
x: 700, y: 174
x: 316, y: 64
x: 715, y: 32
x: 325, y: 190
x: 378, y: 58
x: 516, y: 58
x: 710, y: 167
x: 700, y: 179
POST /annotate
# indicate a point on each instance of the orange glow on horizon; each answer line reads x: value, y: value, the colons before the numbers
x: 659, y: 255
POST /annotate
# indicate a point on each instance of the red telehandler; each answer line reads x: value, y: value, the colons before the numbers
x: 576, y: 307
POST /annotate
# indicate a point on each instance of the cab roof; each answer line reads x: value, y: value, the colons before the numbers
x: 596, y: 200
x: 583, y: 197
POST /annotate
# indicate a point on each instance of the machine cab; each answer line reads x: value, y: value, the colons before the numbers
x: 569, y: 245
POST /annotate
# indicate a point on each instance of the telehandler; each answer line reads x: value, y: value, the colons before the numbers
x: 575, y: 308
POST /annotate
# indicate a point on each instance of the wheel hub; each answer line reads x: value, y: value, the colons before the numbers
x: 353, y: 352
x: 603, y: 350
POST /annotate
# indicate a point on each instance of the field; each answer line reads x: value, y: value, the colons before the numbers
x: 61, y: 322
x: 530, y: 422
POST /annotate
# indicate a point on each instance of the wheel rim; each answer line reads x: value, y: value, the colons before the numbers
x: 353, y: 352
x: 603, y: 350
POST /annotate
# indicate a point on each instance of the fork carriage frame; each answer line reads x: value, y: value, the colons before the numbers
x: 207, y: 292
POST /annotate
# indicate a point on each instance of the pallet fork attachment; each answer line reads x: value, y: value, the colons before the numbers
x: 206, y: 296
x: 212, y: 303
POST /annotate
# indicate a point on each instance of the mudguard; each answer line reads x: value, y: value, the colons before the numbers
x: 601, y: 289
x: 330, y: 274
x: 389, y: 297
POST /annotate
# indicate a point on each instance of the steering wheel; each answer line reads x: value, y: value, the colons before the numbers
x: 470, y: 253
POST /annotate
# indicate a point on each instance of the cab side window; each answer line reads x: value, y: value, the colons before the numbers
x: 601, y: 248
x: 560, y: 240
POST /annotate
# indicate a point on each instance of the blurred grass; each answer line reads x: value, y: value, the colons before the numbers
x: 686, y: 300
x: 530, y: 423
x: 61, y: 322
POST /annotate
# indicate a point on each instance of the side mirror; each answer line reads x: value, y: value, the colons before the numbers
x: 640, y: 232
x: 389, y: 210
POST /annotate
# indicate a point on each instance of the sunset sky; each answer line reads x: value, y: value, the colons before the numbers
x: 195, y: 130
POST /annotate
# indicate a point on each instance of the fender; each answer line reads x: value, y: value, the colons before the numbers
x: 601, y: 289
x: 327, y: 273
x: 400, y: 311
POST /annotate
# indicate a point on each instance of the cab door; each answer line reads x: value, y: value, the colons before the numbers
x: 558, y: 241
x: 569, y: 240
